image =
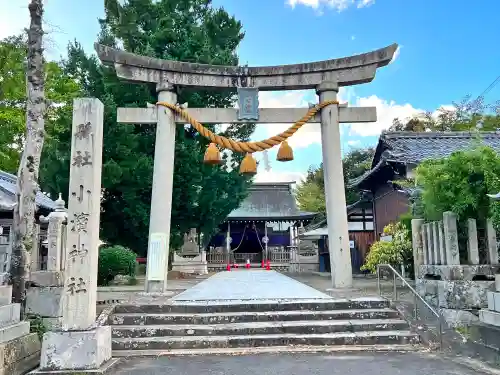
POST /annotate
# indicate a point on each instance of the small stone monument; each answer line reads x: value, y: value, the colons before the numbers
x: 190, y: 260
x: 190, y: 246
x: 45, y: 299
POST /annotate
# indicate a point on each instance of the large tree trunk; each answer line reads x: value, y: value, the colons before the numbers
x: 27, y: 176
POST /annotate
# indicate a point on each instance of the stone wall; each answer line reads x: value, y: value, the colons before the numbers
x: 441, y: 279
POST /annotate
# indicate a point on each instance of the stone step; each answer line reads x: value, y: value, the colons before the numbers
x: 201, y: 342
x: 252, y: 306
x: 261, y: 328
x: 270, y: 350
x: 10, y: 314
x: 241, y: 317
x: 14, y: 331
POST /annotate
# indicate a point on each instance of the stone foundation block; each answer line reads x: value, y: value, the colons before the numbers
x: 427, y: 289
x: 458, y: 272
x: 20, y: 355
x: 463, y: 295
x: 192, y: 266
x: 489, y: 317
x: 494, y: 301
x: 48, y: 278
x: 10, y: 314
x: 44, y: 301
x: 5, y: 295
x: 454, y: 294
x: 14, y: 331
x: 76, y: 350
x: 497, y: 282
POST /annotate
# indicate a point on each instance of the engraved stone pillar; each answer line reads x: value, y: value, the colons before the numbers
x: 418, y: 256
x: 338, y: 237
x: 430, y: 243
x: 472, y: 244
x: 491, y: 237
x: 435, y: 243
x: 425, y: 249
x: 451, y: 238
x: 442, y: 249
x: 80, y: 346
x: 161, y: 196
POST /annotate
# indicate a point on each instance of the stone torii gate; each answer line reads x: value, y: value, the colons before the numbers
x: 324, y: 76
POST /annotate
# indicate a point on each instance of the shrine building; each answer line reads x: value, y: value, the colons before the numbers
x: 264, y: 227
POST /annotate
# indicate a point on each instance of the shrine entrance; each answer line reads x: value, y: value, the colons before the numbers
x: 325, y: 77
x: 247, y: 243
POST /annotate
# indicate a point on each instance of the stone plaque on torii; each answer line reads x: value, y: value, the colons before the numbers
x: 324, y: 76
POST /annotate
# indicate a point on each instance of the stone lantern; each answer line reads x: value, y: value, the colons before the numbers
x: 56, y: 220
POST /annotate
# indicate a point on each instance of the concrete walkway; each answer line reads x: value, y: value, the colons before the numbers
x: 245, y: 285
x: 300, y: 364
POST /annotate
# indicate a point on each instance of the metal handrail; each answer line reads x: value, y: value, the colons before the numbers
x: 414, y: 292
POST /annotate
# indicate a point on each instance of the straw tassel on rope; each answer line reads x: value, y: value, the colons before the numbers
x: 212, y: 155
x: 285, y: 152
x: 248, y: 165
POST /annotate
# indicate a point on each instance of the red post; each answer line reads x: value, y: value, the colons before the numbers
x: 228, y: 268
x: 268, y: 265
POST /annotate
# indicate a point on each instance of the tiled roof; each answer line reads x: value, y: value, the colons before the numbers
x: 413, y: 148
x: 363, y: 202
x: 8, y: 185
x: 269, y: 201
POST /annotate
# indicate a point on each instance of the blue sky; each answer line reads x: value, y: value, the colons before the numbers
x: 448, y: 48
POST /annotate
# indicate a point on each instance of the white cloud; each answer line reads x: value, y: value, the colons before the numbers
x: 365, y: 3
x: 387, y: 111
x: 339, y: 5
x: 356, y: 142
x: 309, y: 133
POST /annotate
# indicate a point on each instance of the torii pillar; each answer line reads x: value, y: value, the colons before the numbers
x: 324, y: 76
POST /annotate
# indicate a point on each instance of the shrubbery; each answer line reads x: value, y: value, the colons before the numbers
x: 115, y: 260
x: 394, y: 252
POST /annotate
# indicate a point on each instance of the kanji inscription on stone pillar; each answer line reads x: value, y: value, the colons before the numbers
x: 80, y: 284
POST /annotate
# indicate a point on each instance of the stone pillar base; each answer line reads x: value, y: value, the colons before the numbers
x: 76, y: 352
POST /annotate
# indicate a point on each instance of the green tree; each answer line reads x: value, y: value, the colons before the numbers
x: 459, y: 183
x: 311, y: 193
x: 60, y: 91
x: 190, y: 30
x: 465, y: 115
x: 311, y: 197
